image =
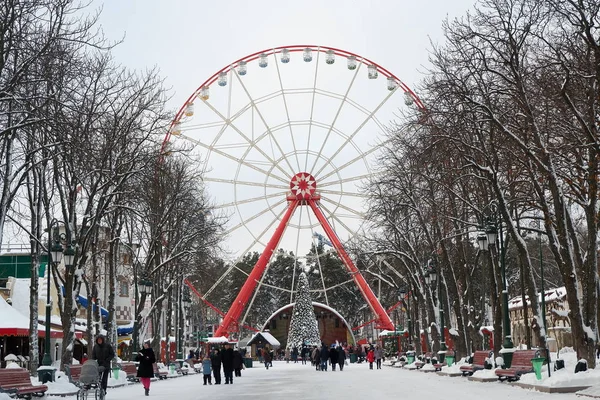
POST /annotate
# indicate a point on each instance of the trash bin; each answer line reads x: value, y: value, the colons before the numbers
x: 115, y: 372
x: 172, y: 369
x: 450, y: 359
x: 537, y: 367
x: 352, y: 358
x: 248, y: 362
x: 410, y: 357
x: 46, y: 374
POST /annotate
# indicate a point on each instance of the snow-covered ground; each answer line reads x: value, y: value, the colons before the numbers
x: 297, y: 381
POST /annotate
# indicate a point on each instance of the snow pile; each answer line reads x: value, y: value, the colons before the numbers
x: 61, y: 385
x: 113, y: 381
x: 4, y: 396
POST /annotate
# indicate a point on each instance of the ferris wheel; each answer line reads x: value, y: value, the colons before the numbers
x: 286, y: 139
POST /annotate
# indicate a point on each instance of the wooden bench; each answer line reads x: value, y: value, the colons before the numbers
x: 438, y: 366
x: 159, y: 374
x: 478, y: 363
x: 17, y: 382
x: 426, y: 358
x: 130, y: 371
x: 521, y: 364
x: 73, y: 371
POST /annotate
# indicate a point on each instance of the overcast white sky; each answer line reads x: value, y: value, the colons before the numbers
x: 190, y: 40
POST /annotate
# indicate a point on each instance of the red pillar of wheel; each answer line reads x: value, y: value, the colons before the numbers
x: 238, y: 305
x: 383, y: 319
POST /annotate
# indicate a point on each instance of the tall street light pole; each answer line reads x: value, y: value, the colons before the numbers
x: 494, y: 236
x: 437, y: 284
x: 539, y: 235
x: 404, y: 296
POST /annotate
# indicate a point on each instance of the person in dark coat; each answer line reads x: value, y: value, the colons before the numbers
x: 227, y: 360
x: 341, y: 358
x: 145, y: 370
x: 295, y: 354
x: 215, y: 361
x: 333, y: 356
x: 103, y: 353
x: 238, y: 363
x: 324, y: 357
x: 266, y: 353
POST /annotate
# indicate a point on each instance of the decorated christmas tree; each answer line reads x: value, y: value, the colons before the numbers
x: 303, y: 327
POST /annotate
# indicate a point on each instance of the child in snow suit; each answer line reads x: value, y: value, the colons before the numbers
x: 206, y: 370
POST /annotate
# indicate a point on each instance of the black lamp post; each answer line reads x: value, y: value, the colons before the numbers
x: 437, y: 285
x: 404, y: 296
x: 143, y: 286
x: 494, y: 236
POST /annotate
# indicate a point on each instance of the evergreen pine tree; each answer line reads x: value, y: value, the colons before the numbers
x: 303, y: 327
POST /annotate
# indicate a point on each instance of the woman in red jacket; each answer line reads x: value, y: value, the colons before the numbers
x: 371, y: 358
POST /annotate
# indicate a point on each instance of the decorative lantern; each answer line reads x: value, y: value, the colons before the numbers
x: 263, y: 61
x: 307, y: 54
x: 176, y: 128
x: 352, y: 63
x: 408, y: 99
x: 189, y: 110
x: 222, y: 79
x: 242, y: 68
x: 329, y: 57
x: 391, y: 83
x: 204, y: 93
x: 285, y: 56
x: 372, y: 70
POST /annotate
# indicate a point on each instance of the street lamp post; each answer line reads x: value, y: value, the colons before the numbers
x: 437, y: 285
x: 404, y: 295
x: 55, y: 256
x: 494, y: 236
x: 539, y: 235
x: 142, y: 286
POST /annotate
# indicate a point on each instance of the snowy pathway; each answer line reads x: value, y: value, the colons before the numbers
x: 297, y: 381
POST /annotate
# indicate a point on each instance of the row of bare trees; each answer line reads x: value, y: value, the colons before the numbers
x: 79, y: 142
x: 512, y: 120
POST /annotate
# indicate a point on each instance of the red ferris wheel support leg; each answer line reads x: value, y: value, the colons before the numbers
x: 238, y: 305
x: 383, y: 319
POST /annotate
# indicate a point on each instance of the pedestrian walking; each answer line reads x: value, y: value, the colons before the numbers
x: 215, y: 362
x: 238, y: 363
x: 103, y: 353
x: 288, y: 354
x: 266, y: 357
x: 371, y: 358
x: 227, y: 361
x: 145, y: 371
x: 324, y: 357
x: 341, y: 358
x: 378, y: 355
x: 206, y: 370
x: 333, y: 355
x: 295, y: 354
x: 316, y: 354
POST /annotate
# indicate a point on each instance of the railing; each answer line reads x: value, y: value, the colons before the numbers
x: 15, y: 248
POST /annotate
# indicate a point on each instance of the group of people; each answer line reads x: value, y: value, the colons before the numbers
x: 321, y: 358
x: 375, y: 355
x: 231, y: 360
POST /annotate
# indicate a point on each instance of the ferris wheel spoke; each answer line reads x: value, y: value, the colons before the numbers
x: 251, y: 143
x: 271, y: 135
x: 312, y: 109
x: 340, y: 284
x: 337, y: 114
x: 237, y: 160
x: 340, y: 205
x: 333, y: 217
x: 287, y: 112
x: 369, y: 117
x: 250, y: 200
x: 343, y: 193
x: 318, y: 260
x: 345, y: 180
x: 245, y: 183
x: 253, y: 217
x: 296, y: 254
x: 361, y: 156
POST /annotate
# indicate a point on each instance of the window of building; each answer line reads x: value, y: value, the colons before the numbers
x: 123, y: 288
x: 273, y: 323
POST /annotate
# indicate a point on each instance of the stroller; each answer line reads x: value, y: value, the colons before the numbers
x: 89, y: 381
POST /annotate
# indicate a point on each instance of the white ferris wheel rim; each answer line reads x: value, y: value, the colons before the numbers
x: 333, y: 202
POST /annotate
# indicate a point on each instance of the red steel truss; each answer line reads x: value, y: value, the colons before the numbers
x: 303, y: 187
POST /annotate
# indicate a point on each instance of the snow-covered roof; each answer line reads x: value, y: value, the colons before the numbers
x: 549, y: 296
x: 267, y: 336
x: 218, y: 339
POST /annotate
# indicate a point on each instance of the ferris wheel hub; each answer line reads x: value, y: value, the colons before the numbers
x: 303, y: 186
